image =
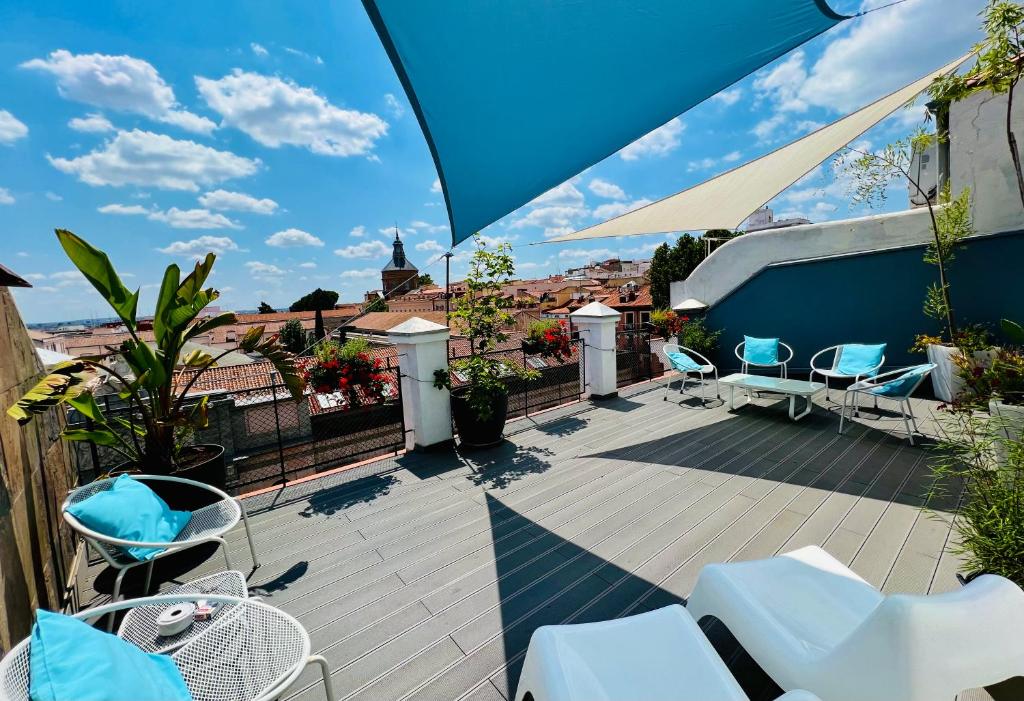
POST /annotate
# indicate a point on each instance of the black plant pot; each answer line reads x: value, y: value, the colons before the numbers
x: 474, y: 432
x: 201, y: 463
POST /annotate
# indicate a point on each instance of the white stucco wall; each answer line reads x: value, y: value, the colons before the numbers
x: 979, y: 159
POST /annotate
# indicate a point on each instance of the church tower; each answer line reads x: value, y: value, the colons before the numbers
x: 399, y: 275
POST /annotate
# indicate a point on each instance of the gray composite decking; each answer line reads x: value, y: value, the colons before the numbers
x: 426, y: 580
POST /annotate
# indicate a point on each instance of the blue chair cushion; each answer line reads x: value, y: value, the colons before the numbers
x: 682, y: 362
x: 130, y: 510
x: 69, y: 659
x: 859, y: 359
x: 761, y: 351
x: 902, y: 386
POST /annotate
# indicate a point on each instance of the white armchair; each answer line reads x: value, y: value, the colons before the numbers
x: 811, y: 623
x: 685, y: 361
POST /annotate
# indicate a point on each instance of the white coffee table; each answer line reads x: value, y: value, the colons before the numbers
x: 779, y: 385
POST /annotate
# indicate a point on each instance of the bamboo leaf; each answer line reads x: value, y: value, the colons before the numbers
x: 98, y: 270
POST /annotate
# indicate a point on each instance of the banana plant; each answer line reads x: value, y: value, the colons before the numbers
x: 156, y: 388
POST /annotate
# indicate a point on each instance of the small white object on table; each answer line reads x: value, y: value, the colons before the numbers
x: 779, y: 385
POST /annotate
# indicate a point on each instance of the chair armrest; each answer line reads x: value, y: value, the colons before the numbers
x: 692, y: 353
x: 798, y: 695
x: 820, y: 353
x: 790, y: 349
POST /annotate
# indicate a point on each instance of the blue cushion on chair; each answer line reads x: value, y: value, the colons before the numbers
x: 901, y: 386
x: 682, y: 362
x: 761, y: 351
x: 69, y: 659
x: 130, y: 510
x: 859, y: 359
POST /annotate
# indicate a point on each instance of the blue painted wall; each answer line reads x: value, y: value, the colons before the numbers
x: 870, y: 298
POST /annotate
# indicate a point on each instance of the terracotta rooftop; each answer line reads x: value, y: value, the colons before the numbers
x: 344, y: 312
x: 380, y: 322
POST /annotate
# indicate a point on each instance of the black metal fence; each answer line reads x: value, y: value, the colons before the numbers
x: 559, y: 381
x: 633, y: 360
x: 270, y: 439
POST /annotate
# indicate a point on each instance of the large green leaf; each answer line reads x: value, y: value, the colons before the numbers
x: 284, y: 362
x: 98, y: 270
x: 193, y: 283
x: 66, y: 380
x: 86, y: 404
x: 146, y: 365
x: 214, y: 322
x: 97, y: 436
x: 185, y: 312
x: 1014, y: 332
x: 165, y: 302
x: 197, y: 358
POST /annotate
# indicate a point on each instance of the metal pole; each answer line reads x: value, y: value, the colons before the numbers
x: 277, y: 424
x: 447, y: 284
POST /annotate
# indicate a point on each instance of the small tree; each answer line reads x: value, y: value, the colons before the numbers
x: 318, y: 326
x: 377, y: 305
x: 265, y: 308
x: 293, y: 336
x: 672, y: 263
x: 425, y: 280
x: 998, y: 69
x: 871, y: 175
x: 317, y: 299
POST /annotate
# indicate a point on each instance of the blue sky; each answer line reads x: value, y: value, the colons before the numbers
x: 277, y: 135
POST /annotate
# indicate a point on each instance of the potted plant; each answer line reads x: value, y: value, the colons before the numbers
x: 159, y: 374
x: 665, y: 323
x: 549, y: 339
x: 871, y: 174
x: 694, y: 333
x: 480, y: 399
x: 349, y: 370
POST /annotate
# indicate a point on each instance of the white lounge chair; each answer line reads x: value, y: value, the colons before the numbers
x: 848, y: 363
x: 897, y: 385
x: 685, y: 361
x: 660, y: 655
x: 207, y: 525
x: 811, y: 623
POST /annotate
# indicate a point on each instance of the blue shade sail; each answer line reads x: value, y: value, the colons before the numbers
x: 516, y: 96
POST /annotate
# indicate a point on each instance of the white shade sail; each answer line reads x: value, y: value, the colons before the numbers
x: 727, y: 199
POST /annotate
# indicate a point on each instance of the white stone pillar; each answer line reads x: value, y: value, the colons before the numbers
x: 596, y: 324
x: 422, y: 349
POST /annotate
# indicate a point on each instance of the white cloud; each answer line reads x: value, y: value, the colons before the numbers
x: 360, y: 274
x: 394, y: 105
x: 430, y: 246
x: 608, y: 190
x: 201, y: 246
x: 876, y: 56
x: 659, y: 142
x: 193, y: 219
x: 291, y: 238
x: 766, y: 128
x: 615, y: 209
x: 123, y: 209
x: 580, y: 254
x: 53, y: 196
x: 358, y: 232
x: 5, y: 196
x: 732, y: 157
x: 728, y: 97
x: 11, y: 128
x: 564, y: 195
x: 92, y: 123
x: 436, y: 185
x: 70, y: 278
x: 274, y: 112
x: 549, y: 217
x: 237, y: 201
x: 34, y: 276
x: 120, y: 83
x: 781, y: 83
x: 367, y: 249
x: 264, y: 271
x: 302, y: 54
x: 154, y: 160
x: 309, y: 265
x: 258, y: 49
x: 427, y: 227
x: 702, y: 164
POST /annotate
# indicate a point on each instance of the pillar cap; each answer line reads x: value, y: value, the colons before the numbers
x: 595, y: 310
x: 417, y: 330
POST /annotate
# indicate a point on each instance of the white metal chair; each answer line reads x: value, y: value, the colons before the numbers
x: 660, y: 655
x: 813, y: 624
x: 251, y: 652
x: 897, y: 385
x: 746, y: 363
x: 207, y: 525
x: 701, y: 366
x: 837, y: 371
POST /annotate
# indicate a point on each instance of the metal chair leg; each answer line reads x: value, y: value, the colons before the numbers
x: 248, y: 534
x: 842, y: 412
x: 115, y: 595
x: 224, y: 547
x: 149, y: 577
x: 913, y: 419
x: 326, y: 672
x: 906, y: 424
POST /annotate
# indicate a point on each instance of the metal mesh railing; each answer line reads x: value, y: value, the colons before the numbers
x: 270, y: 439
x: 633, y: 362
x: 559, y: 381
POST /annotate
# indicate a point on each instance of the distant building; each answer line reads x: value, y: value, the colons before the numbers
x: 764, y: 218
x: 399, y: 275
